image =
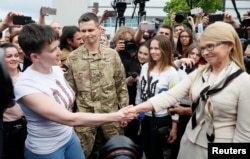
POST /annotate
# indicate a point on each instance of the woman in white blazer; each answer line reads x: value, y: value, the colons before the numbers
x: 220, y: 116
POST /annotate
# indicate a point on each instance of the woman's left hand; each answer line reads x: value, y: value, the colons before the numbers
x: 172, y: 136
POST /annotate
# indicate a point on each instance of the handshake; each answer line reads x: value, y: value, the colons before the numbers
x: 127, y: 114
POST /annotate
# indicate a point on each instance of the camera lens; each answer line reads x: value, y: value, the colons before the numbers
x: 130, y: 46
x: 179, y: 17
x: 120, y: 147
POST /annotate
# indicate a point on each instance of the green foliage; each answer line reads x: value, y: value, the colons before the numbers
x: 175, y: 5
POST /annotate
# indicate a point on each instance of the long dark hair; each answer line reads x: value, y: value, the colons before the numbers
x: 166, y: 49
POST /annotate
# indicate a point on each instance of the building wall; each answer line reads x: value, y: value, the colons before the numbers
x: 154, y: 9
x: 242, y: 6
x: 67, y: 16
x: 68, y: 11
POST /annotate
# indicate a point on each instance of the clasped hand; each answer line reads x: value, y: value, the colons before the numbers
x: 126, y: 115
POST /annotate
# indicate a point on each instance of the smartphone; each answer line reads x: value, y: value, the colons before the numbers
x: 21, y: 20
x: 195, y: 11
x: 215, y: 17
x: 148, y: 26
x: 112, y: 13
x: 96, y: 6
x: 50, y: 11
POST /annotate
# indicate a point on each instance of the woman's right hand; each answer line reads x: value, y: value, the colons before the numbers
x: 120, y: 45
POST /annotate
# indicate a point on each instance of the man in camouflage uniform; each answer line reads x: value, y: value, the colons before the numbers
x: 97, y: 75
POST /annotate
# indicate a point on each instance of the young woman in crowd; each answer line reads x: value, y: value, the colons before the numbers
x: 158, y: 75
x: 220, y: 116
x: 185, y: 39
x: 143, y: 52
x: 14, y: 123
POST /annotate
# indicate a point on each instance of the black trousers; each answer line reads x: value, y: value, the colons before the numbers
x: 14, y: 135
x: 152, y: 143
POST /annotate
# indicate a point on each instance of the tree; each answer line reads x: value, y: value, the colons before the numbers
x: 208, y: 6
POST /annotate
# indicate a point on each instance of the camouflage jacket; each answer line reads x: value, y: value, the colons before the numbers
x: 98, y: 80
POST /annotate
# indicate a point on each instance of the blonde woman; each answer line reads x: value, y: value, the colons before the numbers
x: 220, y: 117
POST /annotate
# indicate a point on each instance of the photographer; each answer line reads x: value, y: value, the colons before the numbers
x: 127, y: 50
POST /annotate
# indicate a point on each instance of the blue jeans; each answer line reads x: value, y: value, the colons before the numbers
x: 71, y: 150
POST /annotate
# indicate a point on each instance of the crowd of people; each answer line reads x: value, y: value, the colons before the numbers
x: 75, y: 89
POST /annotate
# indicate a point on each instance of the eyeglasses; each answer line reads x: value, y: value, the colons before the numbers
x: 184, y: 36
x: 209, y: 47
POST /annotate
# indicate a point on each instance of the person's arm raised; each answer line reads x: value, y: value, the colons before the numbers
x: 8, y: 21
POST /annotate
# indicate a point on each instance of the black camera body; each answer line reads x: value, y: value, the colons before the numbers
x: 179, y: 16
x: 130, y: 46
x: 190, y: 69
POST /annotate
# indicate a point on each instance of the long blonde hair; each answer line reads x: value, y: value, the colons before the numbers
x: 221, y: 31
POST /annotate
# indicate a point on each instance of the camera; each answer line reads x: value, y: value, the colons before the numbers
x: 190, y: 69
x: 177, y: 55
x: 120, y: 6
x: 130, y: 46
x: 133, y: 74
x: 179, y: 16
x: 119, y: 147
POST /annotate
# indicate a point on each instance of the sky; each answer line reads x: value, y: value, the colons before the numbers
x: 25, y: 7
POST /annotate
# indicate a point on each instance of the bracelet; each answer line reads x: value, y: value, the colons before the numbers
x: 175, y: 121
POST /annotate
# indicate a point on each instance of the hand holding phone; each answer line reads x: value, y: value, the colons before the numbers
x: 196, y: 11
x: 96, y: 6
x: 21, y: 20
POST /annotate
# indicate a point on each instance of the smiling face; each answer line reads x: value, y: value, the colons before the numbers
x: 11, y: 58
x: 143, y: 54
x: 216, y: 53
x: 50, y: 55
x: 155, y: 51
x: 90, y: 32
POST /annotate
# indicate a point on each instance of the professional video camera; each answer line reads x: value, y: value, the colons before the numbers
x: 119, y: 147
x: 120, y: 6
x: 141, y: 11
x: 130, y: 46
